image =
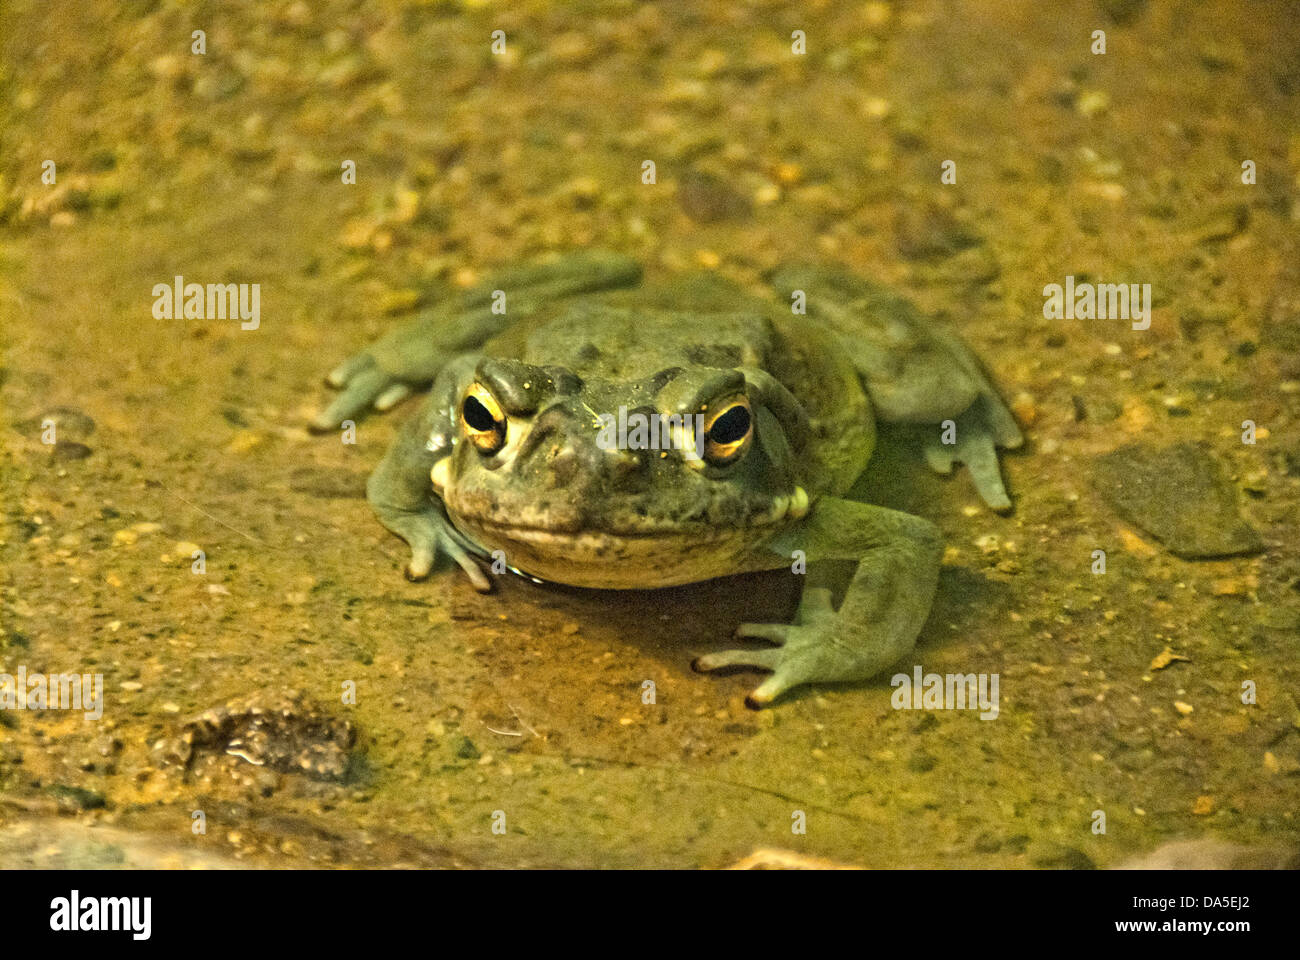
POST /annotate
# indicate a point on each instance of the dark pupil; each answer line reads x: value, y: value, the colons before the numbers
x: 731, y: 426
x: 477, y: 415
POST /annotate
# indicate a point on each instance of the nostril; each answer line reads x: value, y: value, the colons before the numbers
x: 625, y: 467
x: 564, y: 465
x: 533, y: 440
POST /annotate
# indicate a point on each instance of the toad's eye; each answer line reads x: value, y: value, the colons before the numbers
x: 727, y: 433
x: 483, y: 420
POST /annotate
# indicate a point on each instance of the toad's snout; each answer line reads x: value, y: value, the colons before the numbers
x: 563, y: 451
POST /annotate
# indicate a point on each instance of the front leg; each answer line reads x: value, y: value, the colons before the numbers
x: 886, y: 604
x: 401, y: 492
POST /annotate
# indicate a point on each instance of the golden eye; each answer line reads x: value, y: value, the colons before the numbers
x: 728, y: 431
x: 483, y: 420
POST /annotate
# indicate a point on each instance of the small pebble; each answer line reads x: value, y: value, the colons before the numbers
x: 1092, y: 102
x: 244, y: 441
x: 1024, y: 408
x: 398, y: 301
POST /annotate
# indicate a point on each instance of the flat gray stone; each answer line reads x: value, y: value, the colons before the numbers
x: 1180, y: 495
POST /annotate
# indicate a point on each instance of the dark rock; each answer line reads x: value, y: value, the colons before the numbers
x: 978, y: 265
x: 70, y: 450
x: 77, y: 798
x: 1207, y: 854
x: 281, y: 730
x: 1095, y: 411
x: 930, y: 232
x: 1220, y: 58
x: 1018, y: 843
x: 921, y: 763
x: 1222, y: 222
x: 328, y: 484
x: 1123, y: 11
x: 1279, y: 618
x: 707, y: 199
x: 69, y: 422
x: 101, y: 161
x: 1050, y: 167
x: 1055, y: 856
x: 1180, y: 495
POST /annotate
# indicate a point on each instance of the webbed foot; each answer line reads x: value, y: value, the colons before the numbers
x: 977, y: 440
x: 805, y: 651
x: 884, y: 607
x: 428, y: 534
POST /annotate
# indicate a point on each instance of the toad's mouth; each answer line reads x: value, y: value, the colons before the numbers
x: 567, y: 536
x: 637, y: 559
x: 568, y: 528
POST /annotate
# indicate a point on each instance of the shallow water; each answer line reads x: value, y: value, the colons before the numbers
x: 183, y: 434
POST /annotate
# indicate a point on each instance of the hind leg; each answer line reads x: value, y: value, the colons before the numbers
x: 409, y: 357
x: 915, y: 372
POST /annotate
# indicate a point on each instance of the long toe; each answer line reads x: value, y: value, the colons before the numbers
x: 982, y: 462
x: 480, y: 580
x: 762, y: 659
x: 345, y: 370
x: 772, y: 632
x: 392, y: 397
x: 421, y: 562
x: 360, y: 392
x: 767, y: 691
x: 814, y: 605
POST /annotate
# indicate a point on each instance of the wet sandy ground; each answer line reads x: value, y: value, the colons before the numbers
x: 1123, y: 167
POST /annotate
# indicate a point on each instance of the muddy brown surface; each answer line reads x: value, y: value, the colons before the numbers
x: 183, y: 435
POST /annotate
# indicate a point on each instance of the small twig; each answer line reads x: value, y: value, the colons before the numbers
x: 524, y: 722
x: 210, y: 516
